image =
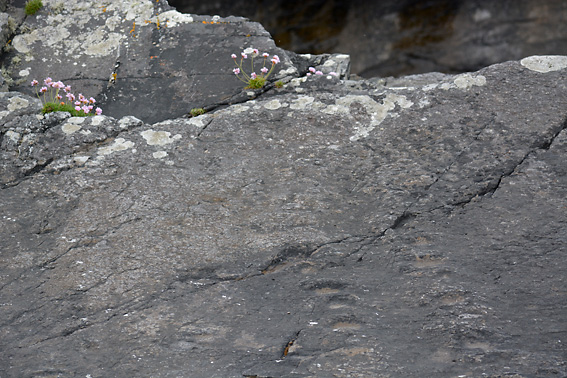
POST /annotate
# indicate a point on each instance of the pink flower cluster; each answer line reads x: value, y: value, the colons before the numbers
x: 313, y: 71
x: 50, y: 91
x: 264, y: 71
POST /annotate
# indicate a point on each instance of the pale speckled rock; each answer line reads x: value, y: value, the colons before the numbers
x: 121, y: 52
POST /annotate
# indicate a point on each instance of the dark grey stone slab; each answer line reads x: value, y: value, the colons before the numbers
x: 329, y: 228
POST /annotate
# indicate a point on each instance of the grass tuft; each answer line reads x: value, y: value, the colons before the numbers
x: 33, y: 6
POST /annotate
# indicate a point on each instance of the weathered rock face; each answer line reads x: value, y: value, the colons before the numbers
x: 121, y: 52
x: 410, y: 227
x: 400, y: 37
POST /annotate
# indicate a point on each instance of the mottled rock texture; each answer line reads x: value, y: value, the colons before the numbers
x: 331, y: 228
x: 401, y: 37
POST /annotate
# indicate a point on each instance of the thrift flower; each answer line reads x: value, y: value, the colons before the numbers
x: 98, y: 111
x: 333, y: 73
x: 318, y: 73
x: 253, y: 81
x: 312, y: 69
x: 52, y: 99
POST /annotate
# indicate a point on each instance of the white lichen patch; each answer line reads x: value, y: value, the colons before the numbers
x: 378, y: 112
x: 80, y: 160
x: 159, y: 154
x: 102, y: 43
x: 128, y: 122
x: 289, y: 71
x: 137, y: 11
x: 16, y: 103
x: 24, y: 72
x: 159, y: 138
x: 97, y: 120
x: 466, y: 81
x: 173, y: 18
x: 238, y: 108
x: 301, y: 102
x: 120, y: 144
x: 545, y: 63
x: 273, y: 105
x: 199, y: 121
x: 70, y: 128
x: 108, y: 26
x: 13, y: 136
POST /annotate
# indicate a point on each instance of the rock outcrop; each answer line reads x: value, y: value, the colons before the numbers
x: 401, y: 37
x: 395, y: 227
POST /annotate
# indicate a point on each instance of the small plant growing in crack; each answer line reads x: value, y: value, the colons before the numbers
x: 33, y: 6
x: 53, y: 101
x: 253, y: 81
x: 197, y: 112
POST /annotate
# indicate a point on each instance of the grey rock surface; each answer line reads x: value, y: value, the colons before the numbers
x: 331, y: 228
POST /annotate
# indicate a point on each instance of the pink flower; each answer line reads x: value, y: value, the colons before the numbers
x: 58, y: 85
x: 236, y: 71
x: 98, y: 111
x: 48, y: 81
x: 90, y: 107
x: 311, y: 69
x: 43, y: 89
x: 308, y: 74
x: 264, y: 70
x: 233, y: 56
x: 275, y: 59
x: 265, y: 55
x: 58, y: 97
x: 333, y: 73
x: 318, y: 73
x: 244, y: 55
x: 256, y: 52
x: 67, y: 89
x: 78, y: 103
x: 85, y: 109
x: 253, y: 75
x: 77, y: 108
x: 70, y: 97
x: 92, y: 100
x: 34, y: 83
